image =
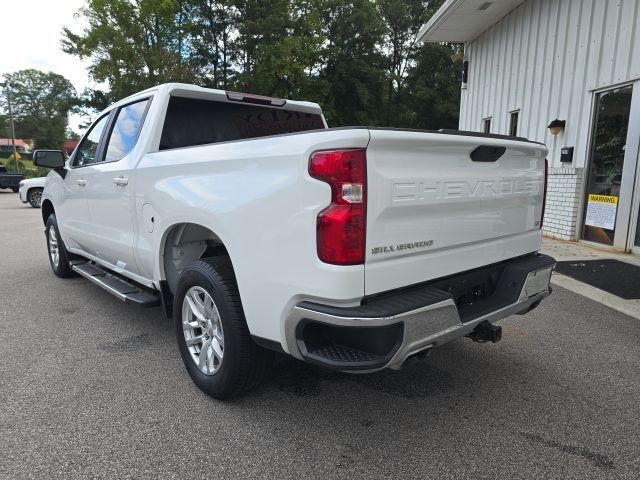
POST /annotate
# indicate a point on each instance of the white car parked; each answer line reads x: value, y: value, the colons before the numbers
x: 31, y: 191
x: 258, y: 228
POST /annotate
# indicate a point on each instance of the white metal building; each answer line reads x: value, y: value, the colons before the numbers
x: 531, y: 62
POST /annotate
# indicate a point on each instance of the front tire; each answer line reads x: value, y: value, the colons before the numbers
x: 212, y: 333
x: 15, y: 189
x: 58, y: 255
x: 35, y: 197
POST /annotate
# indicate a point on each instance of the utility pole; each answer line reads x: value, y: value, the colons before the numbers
x: 13, y: 130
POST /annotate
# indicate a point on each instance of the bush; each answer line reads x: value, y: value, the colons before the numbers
x: 26, y: 168
x: 10, y: 165
x: 35, y: 172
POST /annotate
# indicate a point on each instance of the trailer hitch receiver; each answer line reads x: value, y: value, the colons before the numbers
x: 486, y: 332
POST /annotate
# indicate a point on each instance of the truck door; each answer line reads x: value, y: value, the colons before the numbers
x: 73, y: 211
x: 110, y: 190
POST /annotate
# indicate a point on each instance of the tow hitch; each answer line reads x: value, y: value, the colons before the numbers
x: 486, y: 332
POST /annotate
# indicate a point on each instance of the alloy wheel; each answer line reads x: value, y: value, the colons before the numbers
x: 36, y: 198
x: 202, y: 330
x: 54, y: 250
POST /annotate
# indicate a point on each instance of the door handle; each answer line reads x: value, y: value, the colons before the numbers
x: 81, y: 182
x: 121, y: 181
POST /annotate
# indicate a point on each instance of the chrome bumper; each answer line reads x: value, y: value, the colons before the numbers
x: 424, y: 327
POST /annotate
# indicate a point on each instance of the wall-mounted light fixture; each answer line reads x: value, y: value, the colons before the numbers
x: 556, y: 126
x: 465, y: 73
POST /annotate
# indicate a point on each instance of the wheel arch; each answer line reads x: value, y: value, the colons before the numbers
x: 31, y: 189
x: 46, y: 209
x: 181, y: 244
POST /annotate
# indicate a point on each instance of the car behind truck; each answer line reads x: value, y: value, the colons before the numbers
x: 257, y: 228
x: 10, y: 180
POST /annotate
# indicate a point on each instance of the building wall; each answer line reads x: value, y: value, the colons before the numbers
x: 545, y: 59
x: 563, y: 202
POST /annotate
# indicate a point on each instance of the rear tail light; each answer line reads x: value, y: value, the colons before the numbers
x: 341, y: 227
x: 544, y: 195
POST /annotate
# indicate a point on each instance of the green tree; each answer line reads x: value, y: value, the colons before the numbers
x: 359, y: 59
x: 90, y: 102
x: 353, y: 64
x: 133, y: 45
x: 277, y: 46
x: 403, y: 19
x: 433, y: 87
x: 5, y: 130
x: 211, y: 27
x: 41, y: 102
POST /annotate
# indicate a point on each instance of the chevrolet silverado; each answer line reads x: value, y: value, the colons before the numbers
x: 257, y: 228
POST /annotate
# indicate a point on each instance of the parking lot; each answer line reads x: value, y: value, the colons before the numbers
x: 91, y: 387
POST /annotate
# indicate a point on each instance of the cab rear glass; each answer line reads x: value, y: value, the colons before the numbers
x: 191, y: 122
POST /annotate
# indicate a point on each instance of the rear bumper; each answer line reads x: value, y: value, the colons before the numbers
x: 387, y: 329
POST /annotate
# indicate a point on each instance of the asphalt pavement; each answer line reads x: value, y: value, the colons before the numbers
x: 93, y: 388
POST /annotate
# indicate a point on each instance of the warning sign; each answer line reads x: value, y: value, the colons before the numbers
x: 601, y: 211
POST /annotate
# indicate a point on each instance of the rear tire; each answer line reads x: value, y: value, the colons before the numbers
x: 58, y: 255
x: 15, y: 189
x: 35, y: 197
x: 209, y: 320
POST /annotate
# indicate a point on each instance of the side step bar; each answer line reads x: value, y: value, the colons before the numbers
x: 125, y: 291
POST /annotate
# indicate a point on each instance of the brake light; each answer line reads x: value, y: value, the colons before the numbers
x: 544, y: 195
x: 257, y: 99
x: 341, y: 227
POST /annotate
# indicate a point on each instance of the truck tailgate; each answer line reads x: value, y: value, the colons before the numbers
x: 432, y: 211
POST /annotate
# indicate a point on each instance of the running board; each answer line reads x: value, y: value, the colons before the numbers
x: 125, y: 291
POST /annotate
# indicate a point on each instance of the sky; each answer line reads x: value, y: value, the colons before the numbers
x: 36, y: 30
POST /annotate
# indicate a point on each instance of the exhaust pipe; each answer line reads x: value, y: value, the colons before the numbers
x: 486, y: 332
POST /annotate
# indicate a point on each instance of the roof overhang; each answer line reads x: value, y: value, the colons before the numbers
x: 460, y: 21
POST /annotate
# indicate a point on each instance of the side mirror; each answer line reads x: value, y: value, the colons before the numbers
x: 49, y: 158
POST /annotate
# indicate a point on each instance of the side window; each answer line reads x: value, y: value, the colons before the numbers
x: 125, y: 130
x: 88, y: 148
x: 513, y: 123
x: 486, y: 125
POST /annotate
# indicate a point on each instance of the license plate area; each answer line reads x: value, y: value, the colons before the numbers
x: 537, y: 282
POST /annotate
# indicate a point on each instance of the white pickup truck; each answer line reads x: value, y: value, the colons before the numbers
x: 257, y: 229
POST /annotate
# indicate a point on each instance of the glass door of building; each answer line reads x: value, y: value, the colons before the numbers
x: 635, y: 238
x: 636, y: 241
x: 610, y: 207
x: 634, y: 150
x: 609, y: 138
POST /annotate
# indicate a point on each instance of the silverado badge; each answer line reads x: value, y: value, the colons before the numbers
x: 402, y: 246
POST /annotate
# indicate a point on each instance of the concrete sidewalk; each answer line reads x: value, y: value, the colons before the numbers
x: 573, y: 251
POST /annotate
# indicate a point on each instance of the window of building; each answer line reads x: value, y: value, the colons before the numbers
x: 513, y: 123
x: 486, y: 125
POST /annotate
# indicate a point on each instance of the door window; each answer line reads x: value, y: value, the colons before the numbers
x: 609, y: 139
x: 87, y: 151
x: 126, y: 130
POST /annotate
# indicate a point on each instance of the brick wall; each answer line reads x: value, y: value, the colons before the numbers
x: 563, y: 201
